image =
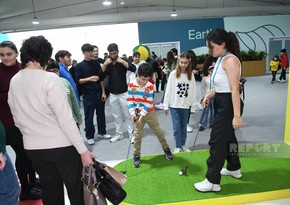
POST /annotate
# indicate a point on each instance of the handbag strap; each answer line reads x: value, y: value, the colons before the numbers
x: 89, y: 179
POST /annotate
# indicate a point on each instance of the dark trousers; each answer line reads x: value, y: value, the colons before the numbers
x: 25, y: 172
x: 93, y: 102
x: 163, y: 81
x: 283, y: 74
x: 55, y: 167
x: 222, y: 138
x: 157, y: 83
x: 274, y: 75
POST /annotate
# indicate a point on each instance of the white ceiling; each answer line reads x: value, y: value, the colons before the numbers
x: 17, y: 15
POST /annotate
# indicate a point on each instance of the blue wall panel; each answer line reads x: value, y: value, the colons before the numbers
x: 191, y: 33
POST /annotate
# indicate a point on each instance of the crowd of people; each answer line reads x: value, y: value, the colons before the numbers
x: 40, y: 100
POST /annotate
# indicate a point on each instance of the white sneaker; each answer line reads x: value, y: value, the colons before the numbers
x: 116, y: 138
x: 105, y: 136
x: 206, y: 186
x: 91, y: 141
x: 177, y: 150
x: 159, y: 106
x: 236, y: 174
x: 189, y: 128
x: 131, y: 136
x: 185, y: 149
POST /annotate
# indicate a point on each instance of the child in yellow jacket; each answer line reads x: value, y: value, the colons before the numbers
x: 274, y: 67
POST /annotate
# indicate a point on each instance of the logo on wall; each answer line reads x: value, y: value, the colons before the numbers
x: 255, y: 39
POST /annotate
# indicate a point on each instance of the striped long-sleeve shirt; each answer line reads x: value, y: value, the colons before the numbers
x: 140, y: 97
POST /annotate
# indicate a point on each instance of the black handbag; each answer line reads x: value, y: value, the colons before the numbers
x: 109, y: 187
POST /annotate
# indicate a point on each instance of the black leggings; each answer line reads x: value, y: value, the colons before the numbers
x: 274, y: 75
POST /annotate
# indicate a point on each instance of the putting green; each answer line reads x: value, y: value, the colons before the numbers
x: 157, y: 181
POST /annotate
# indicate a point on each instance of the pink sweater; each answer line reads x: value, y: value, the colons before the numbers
x: 41, y: 111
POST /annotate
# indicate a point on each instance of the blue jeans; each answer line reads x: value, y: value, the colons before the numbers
x: 9, y: 186
x: 209, y: 110
x: 94, y: 102
x: 179, y: 120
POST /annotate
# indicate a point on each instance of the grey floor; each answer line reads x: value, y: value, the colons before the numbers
x: 264, y: 121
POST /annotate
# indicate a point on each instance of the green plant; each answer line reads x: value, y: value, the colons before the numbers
x: 252, y: 55
x: 262, y: 55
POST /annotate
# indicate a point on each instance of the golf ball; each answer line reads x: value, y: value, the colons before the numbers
x: 180, y: 173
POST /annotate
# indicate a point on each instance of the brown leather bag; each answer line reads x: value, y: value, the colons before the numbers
x: 118, y: 176
x: 92, y: 195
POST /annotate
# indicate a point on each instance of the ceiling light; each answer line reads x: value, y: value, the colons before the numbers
x: 122, y: 2
x: 35, y: 20
x: 107, y: 3
x: 173, y: 13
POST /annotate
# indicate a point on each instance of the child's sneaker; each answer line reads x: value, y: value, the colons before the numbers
x: 177, y: 150
x: 168, y: 154
x: 136, y: 162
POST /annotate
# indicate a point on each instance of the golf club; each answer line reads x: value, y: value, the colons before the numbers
x: 130, y: 142
x: 124, y: 172
x: 184, y: 171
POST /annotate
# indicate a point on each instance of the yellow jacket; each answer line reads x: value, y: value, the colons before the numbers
x: 274, y: 65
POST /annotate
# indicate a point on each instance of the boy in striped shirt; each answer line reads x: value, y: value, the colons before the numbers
x: 141, y: 109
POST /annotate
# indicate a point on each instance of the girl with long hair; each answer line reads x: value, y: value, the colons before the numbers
x: 227, y: 106
x: 180, y: 97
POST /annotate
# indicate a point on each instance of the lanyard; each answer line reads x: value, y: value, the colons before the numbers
x: 216, y: 69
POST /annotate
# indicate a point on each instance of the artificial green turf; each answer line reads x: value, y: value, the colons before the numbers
x: 157, y: 180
